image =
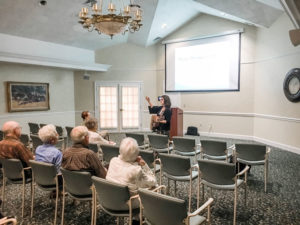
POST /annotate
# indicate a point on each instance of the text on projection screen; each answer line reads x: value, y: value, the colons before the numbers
x: 208, y: 66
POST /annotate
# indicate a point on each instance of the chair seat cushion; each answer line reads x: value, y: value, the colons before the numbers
x: 260, y: 162
x: 120, y: 212
x: 224, y: 187
x: 195, y: 220
x: 162, y: 150
x: 144, y: 146
x: 217, y: 157
x: 20, y: 180
x: 187, y: 153
x: 182, y: 178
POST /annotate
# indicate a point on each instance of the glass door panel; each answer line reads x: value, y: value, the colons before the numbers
x: 130, y: 107
x: 108, y: 110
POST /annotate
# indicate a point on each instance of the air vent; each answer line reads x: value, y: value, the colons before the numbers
x: 157, y: 39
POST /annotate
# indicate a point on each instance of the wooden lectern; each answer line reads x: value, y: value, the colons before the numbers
x: 176, y: 128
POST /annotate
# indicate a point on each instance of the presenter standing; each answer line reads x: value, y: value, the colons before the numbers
x: 160, y: 122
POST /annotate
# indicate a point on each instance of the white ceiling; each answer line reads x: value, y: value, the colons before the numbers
x: 57, y: 21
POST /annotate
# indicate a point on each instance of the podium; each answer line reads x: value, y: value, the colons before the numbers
x: 176, y: 127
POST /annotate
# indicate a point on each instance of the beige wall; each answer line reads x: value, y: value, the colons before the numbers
x: 61, y: 90
x: 275, y: 56
x: 258, y: 111
x: 211, y: 102
x: 129, y: 63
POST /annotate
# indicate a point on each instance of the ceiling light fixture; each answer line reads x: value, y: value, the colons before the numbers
x: 111, y: 22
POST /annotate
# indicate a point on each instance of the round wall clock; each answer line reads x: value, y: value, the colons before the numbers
x: 291, y: 85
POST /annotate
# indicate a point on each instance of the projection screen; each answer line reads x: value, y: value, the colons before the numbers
x: 205, y: 64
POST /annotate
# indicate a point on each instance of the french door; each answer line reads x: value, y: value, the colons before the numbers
x: 118, y: 105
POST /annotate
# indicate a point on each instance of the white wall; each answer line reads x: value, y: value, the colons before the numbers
x: 275, y: 56
x: 129, y: 63
x: 207, y: 110
x: 61, y: 93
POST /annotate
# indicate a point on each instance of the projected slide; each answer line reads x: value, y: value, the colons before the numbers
x: 203, y: 65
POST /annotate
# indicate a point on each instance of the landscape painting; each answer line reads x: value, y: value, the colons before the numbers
x: 25, y: 96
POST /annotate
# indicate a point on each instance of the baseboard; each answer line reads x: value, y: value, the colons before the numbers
x: 288, y: 148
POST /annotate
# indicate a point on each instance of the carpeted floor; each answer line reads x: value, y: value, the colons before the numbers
x: 280, y: 205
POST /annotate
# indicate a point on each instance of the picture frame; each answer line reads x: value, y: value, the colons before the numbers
x: 27, y: 96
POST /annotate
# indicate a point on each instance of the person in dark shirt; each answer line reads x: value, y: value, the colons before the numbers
x: 160, y: 122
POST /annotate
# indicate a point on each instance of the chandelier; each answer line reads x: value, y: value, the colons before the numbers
x: 111, y: 22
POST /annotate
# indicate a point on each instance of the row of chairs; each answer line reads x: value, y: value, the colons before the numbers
x: 112, y: 197
x: 170, y: 164
x: 249, y: 154
x: 214, y: 174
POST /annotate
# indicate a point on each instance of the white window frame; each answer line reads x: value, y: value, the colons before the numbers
x: 119, y: 85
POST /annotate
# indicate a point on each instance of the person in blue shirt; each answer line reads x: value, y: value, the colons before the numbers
x: 47, y: 152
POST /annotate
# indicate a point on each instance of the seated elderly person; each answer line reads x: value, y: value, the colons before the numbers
x: 94, y: 137
x: 11, y: 147
x: 79, y: 157
x: 48, y: 152
x: 86, y: 115
x: 130, y: 169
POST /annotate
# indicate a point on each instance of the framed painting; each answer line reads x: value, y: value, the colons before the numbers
x: 27, y: 96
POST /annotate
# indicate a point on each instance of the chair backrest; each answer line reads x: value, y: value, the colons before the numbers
x: 109, y: 151
x: 93, y: 147
x: 24, y: 138
x: 251, y: 152
x: 1, y: 135
x: 148, y: 157
x: 214, y: 148
x: 182, y: 144
x: 112, y: 196
x: 36, y: 141
x: 158, y: 141
x: 44, y: 173
x: 69, y: 129
x: 34, y: 128
x: 77, y: 183
x: 42, y: 125
x: 12, y: 168
x: 59, y: 130
x: 216, y: 172
x: 140, y: 138
x: 175, y: 165
x: 162, y: 209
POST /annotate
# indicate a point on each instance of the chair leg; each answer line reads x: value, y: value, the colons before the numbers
x: 3, y: 188
x: 95, y: 208
x: 202, y: 192
x: 198, y: 191
x: 92, y: 210
x: 168, y: 186
x: 56, y: 202
x: 266, y: 175
x: 190, y: 195
x: 63, y: 206
x: 32, y: 200
x: 175, y: 188
x: 234, y: 206
x: 23, y: 196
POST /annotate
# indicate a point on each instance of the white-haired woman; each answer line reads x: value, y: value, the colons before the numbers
x: 48, y: 152
x: 130, y: 169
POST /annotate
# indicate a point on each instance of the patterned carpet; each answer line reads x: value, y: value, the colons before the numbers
x: 280, y: 205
